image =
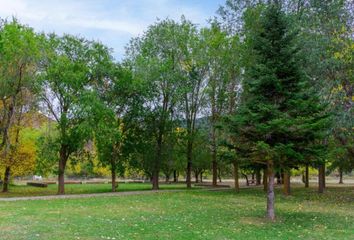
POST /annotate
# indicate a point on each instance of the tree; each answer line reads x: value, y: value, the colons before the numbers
x: 340, y: 157
x: 192, y: 87
x: 20, y: 51
x: 70, y: 66
x: 155, y: 60
x: 321, y: 23
x: 342, y: 144
x: 109, y: 139
x: 201, y: 155
x: 115, y: 118
x: 216, y: 48
x: 279, y: 112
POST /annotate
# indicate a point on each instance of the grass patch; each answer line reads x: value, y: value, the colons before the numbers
x: 25, y: 191
x: 183, y: 215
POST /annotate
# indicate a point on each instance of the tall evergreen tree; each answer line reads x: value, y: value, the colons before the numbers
x: 279, y: 112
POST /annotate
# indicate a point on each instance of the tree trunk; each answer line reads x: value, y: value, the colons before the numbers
x: 340, y: 176
x: 277, y: 176
x: 214, y: 169
x: 265, y: 179
x: 201, y: 176
x: 175, y: 177
x: 281, y: 176
x: 167, y: 178
x: 114, y: 184
x: 321, y: 178
x: 236, y: 177
x: 214, y: 152
x: 7, y: 123
x: 5, y: 184
x: 324, y: 175
x: 62, y: 164
x: 196, y: 174
x: 155, y: 180
x: 307, y: 180
x: 219, y: 175
x: 189, y: 174
x: 61, y: 187
x: 258, y: 177
x: 286, y: 180
x: 270, y: 192
x: 246, y: 177
x: 156, y: 167
x: 252, y: 178
x: 189, y: 164
x: 113, y: 175
x: 5, y: 143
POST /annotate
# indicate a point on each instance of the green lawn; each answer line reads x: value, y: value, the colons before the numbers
x: 23, y: 190
x: 194, y: 214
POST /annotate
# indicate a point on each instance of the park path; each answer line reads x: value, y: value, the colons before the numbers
x: 110, y: 194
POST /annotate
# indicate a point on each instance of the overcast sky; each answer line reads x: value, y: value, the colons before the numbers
x: 113, y: 22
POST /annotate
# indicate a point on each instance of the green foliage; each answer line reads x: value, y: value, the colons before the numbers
x: 47, y: 153
x: 280, y: 114
x: 63, y: 87
x: 20, y: 49
x: 160, y: 59
x: 20, y: 55
x: 71, y: 66
x: 265, y: 80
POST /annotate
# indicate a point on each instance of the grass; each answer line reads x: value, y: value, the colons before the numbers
x: 24, y: 191
x: 191, y: 214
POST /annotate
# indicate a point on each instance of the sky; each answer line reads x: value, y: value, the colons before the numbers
x: 113, y: 22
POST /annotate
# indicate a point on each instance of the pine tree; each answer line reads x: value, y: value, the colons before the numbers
x: 279, y: 114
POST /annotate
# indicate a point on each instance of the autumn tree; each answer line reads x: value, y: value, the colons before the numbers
x: 21, y: 160
x: 20, y: 52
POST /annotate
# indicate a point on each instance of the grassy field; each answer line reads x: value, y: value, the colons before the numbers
x: 23, y: 190
x: 194, y: 214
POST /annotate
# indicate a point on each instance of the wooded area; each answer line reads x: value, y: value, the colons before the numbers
x: 265, y: 89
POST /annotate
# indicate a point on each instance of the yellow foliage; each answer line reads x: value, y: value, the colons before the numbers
x: 21, y: 159
x: 186, y: 66
x: 76, y: 168
x: 132, y: 172
x: 300, y: 171
x: 100, y: 170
